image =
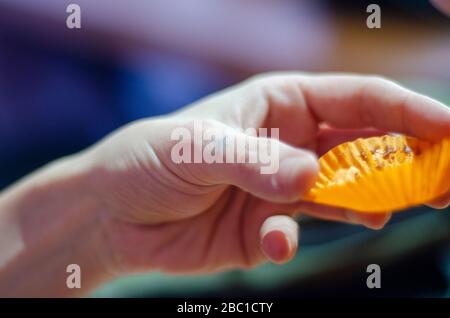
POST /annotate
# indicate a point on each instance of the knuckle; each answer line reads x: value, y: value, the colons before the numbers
x: 382, y: 82
x: 264, y: 79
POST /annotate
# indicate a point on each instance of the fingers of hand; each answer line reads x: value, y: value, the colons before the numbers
x: 373, y: 221
x: 442, y: 202
x: 354, y: 101
x: 280, y: 173
x: 279, y: 237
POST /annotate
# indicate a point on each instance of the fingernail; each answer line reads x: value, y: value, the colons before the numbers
x: 371, y: 223
x: 276, y: 246
x: 381, y: 224
x: 351, y: 217
x: 386, y: 219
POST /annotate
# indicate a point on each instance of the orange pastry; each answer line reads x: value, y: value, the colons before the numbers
x: 380, y: 174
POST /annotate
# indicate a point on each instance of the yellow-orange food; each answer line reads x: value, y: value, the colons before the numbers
x: 380, y: 174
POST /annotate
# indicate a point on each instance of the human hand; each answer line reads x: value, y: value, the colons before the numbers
x: 199, y: 217
x: 443, y: 5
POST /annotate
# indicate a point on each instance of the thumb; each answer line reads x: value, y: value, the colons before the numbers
x: 265, y: 167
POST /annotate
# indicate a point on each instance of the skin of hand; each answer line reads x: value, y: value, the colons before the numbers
x: 124, y: 206
x: 443, y: 5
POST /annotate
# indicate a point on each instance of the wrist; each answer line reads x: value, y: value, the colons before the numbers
x: 55, y: 220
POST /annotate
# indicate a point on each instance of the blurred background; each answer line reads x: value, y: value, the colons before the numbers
x: 61, y: 90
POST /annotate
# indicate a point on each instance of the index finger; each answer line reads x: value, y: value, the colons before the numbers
x: 354, y: 101
x: 361, y: 101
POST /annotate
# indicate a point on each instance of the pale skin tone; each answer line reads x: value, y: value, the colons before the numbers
x: 443, y: 5
x: 123, y: 206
